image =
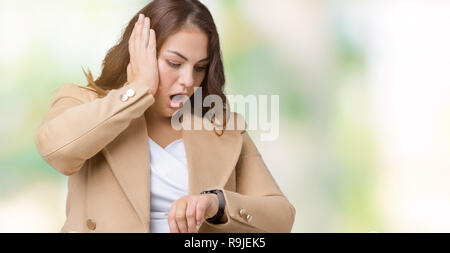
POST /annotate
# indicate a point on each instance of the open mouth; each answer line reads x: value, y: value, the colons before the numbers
x: 177, y: 100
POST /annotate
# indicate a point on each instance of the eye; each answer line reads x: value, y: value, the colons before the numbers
x: 173, y: 65
x: 200, y: 68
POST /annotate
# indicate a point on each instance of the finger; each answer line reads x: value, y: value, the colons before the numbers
x: 201, y: 210
x: 171, y: 219
x: 145, y: 32
x: 180, y: 216
x: 152, y: 40
x: 190, y: 216
x: 131, y: 46
x: 152, y: 37
x: 141, y: 31
x: 133, y: 39
x: 139, y: 26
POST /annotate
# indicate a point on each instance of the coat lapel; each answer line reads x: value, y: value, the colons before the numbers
x: 210, y: 159
x: 128, y: 156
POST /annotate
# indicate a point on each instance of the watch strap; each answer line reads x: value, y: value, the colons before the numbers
x: 220, y: 212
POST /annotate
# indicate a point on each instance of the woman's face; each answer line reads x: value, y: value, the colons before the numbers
x: 182, y: 62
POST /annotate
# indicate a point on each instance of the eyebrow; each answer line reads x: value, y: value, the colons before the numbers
x: 184, y: 57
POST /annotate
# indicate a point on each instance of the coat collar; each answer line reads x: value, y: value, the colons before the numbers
x: 210, y: 160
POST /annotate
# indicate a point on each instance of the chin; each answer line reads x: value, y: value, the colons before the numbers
x: 170, y: 112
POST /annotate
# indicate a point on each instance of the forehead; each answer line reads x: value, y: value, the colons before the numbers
x: 190, y: 42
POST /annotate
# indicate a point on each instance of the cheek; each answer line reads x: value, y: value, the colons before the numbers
x: 167, y: 76
x: 199, y: 78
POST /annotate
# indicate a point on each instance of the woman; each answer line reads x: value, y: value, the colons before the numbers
x: 129, y: 169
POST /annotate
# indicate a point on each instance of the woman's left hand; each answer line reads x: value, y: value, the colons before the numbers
x: 187, y: 212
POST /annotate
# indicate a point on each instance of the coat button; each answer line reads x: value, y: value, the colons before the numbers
x: 91, y: 224
x: 130, y: 93
x: 249, y: 217
x: 124, y: 98
x: 243, y: 213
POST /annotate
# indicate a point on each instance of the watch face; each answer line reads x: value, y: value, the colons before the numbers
x: 210, y: 191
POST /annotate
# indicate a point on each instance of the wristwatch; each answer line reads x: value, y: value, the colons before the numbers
x: 216, y: 218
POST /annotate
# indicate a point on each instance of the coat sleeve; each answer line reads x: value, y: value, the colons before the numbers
x: 258, y: 205
x: 76, y: 128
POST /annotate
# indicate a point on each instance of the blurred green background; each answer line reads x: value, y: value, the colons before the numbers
x: 364, y: 103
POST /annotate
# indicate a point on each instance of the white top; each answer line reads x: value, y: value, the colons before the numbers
x: 168, y: 181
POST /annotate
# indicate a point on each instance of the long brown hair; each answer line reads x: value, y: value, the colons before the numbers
x: 167, y: 17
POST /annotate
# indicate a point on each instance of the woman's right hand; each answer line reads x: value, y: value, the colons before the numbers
x: 143, y: 66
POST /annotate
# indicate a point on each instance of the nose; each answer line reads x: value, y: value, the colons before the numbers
x: 187, y: 78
